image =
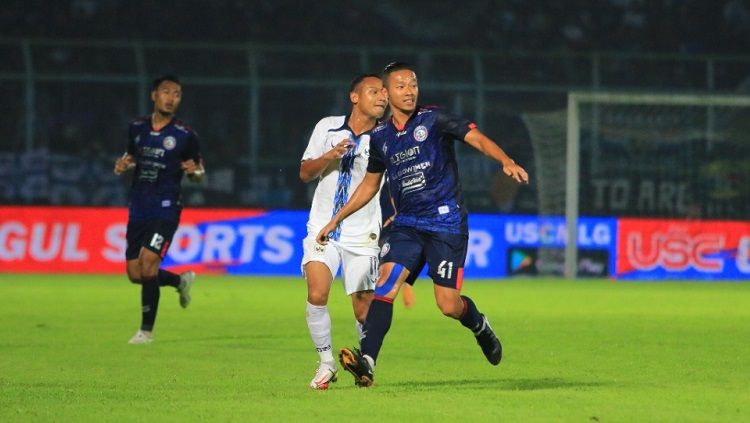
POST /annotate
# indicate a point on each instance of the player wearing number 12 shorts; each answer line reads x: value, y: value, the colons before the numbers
x: 161, y: 149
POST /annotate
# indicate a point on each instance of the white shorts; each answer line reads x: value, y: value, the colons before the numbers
x: 359, y: 265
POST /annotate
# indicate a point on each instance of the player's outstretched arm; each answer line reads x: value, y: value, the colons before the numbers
x: 311, y: 169
x: 489, y: 148
x: 366, y: 190
x: 124, y: 163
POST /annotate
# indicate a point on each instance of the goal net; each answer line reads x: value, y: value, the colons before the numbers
x: 674, y: 157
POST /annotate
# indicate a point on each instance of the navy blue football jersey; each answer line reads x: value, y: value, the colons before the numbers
x: 420, y: 160
x: 156, y: 188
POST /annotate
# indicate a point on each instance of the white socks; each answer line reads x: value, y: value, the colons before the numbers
x: 319, y: 325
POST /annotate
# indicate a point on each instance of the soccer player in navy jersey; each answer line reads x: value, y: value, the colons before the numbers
x: 416, y: 148
x: 161, y: 149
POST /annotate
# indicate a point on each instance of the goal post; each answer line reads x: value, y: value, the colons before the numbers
x: 698, y: 123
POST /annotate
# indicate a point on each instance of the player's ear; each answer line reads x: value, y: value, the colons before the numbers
x: 354, y: 97
x: 153, y: 95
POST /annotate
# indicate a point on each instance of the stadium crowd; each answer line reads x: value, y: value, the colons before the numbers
x: 687, y: 26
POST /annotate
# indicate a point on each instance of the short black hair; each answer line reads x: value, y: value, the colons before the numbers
x: 359, y: 78
x: 396, y: 66
x: 166, y: 77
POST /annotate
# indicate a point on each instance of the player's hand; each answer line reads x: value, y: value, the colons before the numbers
x: 322, y: 237
x: 340, y: 149
x: 124, y: 163
x: 191, y: 167
x: 516, y: 172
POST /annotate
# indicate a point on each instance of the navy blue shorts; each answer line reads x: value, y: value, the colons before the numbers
x: 152, y: 234
x: 444, y: 253
x: 385, y: 236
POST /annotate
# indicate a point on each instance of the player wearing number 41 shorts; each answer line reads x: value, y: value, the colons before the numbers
x: 415, y: 146
x: 161, y: 149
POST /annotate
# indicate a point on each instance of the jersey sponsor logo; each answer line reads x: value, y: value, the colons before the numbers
x: 319, y: 249
x: 399, y: 133
x: 420, y: 133
x: 152, y: 152
x: 413, y: 183
x: 169, y: 143
x: 405, y: 156
x: 413, y: 168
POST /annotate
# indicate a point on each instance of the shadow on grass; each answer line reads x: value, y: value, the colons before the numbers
x: 496, y: 384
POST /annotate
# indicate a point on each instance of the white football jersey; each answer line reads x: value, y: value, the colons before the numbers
x: 338, y: 181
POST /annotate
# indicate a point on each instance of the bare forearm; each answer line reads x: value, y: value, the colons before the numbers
x: 361, y: 196
x: 487, y: 147
x: 312, y: 169
x: 496, y: 153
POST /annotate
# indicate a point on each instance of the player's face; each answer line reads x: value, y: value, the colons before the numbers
x: 370, y: 98
x: 167, y: 97
x: 403, y: 90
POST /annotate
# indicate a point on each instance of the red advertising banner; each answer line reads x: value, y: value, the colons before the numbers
x: 680, y: 249
x: 76, y: 240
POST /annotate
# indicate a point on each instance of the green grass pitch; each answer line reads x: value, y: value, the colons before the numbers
x: 583, y: 351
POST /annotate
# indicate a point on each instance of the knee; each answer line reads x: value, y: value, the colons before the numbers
x: 134, y: 276
x: 450, y: 309
x: 317, y: 298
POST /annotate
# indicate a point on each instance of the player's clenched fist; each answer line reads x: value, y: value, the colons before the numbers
x: 322, y: 237
x: 191, y: 167
x: 340, y: 149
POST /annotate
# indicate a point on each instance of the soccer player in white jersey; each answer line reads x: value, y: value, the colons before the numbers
x: 337, y: 157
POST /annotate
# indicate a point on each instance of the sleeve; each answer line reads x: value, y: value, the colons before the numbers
x: 132, y: 133
x: 193, y: 149
x: 316, y: 145
x: 376, y: 162
x: 453, y: 125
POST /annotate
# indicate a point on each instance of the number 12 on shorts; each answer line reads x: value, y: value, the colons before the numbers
x: 157, y: 241
x: 445, y: 269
